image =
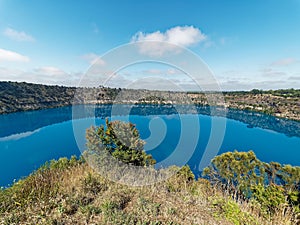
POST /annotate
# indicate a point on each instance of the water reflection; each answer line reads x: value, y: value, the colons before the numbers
x: 24, y: 123
x: 19, y: 136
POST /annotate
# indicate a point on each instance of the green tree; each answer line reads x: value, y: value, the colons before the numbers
x: 237, y: 171
x: 243, y: 175
x: 256, y: 91
x: 121, y: 140
x: 290, y: 175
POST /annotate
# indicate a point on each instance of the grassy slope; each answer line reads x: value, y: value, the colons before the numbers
x: 70, y: 192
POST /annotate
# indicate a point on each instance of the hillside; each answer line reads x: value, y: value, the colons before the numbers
x: 16, y: 97
x: 70, y: 192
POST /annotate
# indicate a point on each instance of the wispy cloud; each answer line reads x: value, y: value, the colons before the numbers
x: 296, y: 78
x: 43, y: 75
x: 184, y: 36
x: 264, y: 78
x: 93, y: 58
x: 235, y: 83
x: 284, y: 62
x: 18, y: 35
x: 170, y: 71
x: 6, y: 55
x: 52, y: 75
x: 50, y: 71
x: 269, y: 72
x: 209, y: 44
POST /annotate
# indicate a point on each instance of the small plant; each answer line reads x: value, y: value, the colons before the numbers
x: 92, y: 184
x: 186, y: 173
x: 231, y: 211
x: 91, y: 210
x: 109, y: 207
x: 172, y: 211
x: 181, y: 179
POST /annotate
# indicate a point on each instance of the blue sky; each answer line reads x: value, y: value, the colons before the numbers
x: 247, y: 44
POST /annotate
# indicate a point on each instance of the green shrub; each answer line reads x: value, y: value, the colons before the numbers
x: 294, y: 200
x: 121, y: 140
x: 270, y: 198
x: 231, y: 211
x: 186, y: 173
x: 236, y: 172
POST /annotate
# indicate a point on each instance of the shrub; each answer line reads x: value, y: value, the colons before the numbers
x: 121, y: 140
x: 270, y: 198
x: 231, y: 211
x: 236, y: 172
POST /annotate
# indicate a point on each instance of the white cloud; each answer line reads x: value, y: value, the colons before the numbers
x: 52, y: 75
x: 18, y: 35
x: 11, y: 74
x: 284, y: 62
x: 93, y: 58
x: 261, y: 78
x: 6, y: 55
x: 161, y: 72
x: 42, y: 75
x: 272, y: 73
x: 184, y: 36
x: 50, y: 71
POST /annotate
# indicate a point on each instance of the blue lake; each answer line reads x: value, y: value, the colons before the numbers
x: 29, y: 139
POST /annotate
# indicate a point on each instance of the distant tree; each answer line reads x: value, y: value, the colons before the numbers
x: 121, y: 140
x: 256, y: 91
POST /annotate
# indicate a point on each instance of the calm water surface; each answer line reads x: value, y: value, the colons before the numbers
x: 29, y: 139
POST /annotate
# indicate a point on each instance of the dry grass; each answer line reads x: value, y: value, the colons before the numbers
x: 72, y: 193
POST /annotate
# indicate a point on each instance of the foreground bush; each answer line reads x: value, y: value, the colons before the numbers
x: 270, y: 186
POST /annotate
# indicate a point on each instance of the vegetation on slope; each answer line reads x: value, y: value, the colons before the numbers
x: 71, y: 192
x: 280, y: 103
x: 271, y: 185
x: 24, y: 96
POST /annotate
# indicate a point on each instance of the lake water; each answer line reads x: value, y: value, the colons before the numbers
x: 29, y: 139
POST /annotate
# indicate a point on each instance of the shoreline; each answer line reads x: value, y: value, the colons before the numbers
x: 130, y: 103
x: 20, y: 97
